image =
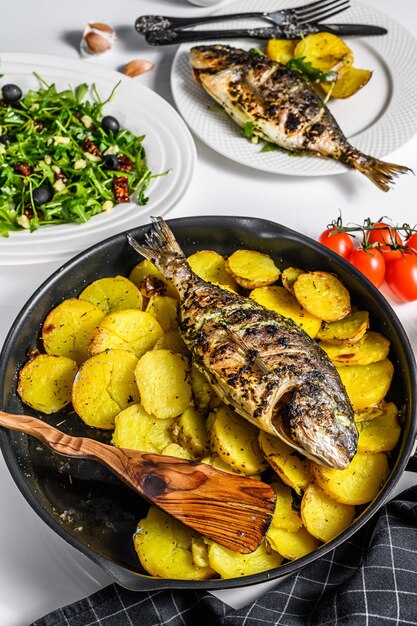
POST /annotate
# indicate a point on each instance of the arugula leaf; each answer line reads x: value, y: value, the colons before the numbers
x: 309, y: 72
x: 248, y: 130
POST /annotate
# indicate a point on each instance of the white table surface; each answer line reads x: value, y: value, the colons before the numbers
x: 39, y: 571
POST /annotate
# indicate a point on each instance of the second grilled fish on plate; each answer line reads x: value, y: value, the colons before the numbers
x: 284, y: 109
x: 260, y: 362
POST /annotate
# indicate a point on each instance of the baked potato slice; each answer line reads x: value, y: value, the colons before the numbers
x: 135, y: 429
x: 291, y: 545
x: 380, y: 434
x: 349, y: 81
x: 251, y: 269
x: 280, y: 50
x: 293, y: 469
x: 367, y: 385
x: 231, y: 564
x: 45, y: 382
x: 164, y: 547
x: 145, y: 270
x: 373, y: 348
x: 323, y: 517
x: 174, y: 342
x: 324, y: 51
x: 113, y: 294
x: 174, y: 449
x: 323, y: 295
x: 348, y: 331
x: 105, y: 385
x: 192, y: 433
x: 289, y: 276
x: 284, y: 515
x: 163, y: 379
x: 211, y: 266
x: 68, y: 328
x: 130, y: 329
x: 358, y: 484
x: 235, y: 440
x: 202, y: 391
x: 164, y: 310
x: 281, y: 301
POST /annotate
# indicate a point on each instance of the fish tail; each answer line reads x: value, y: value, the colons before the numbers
x: 381, y: 173
x: 160, y: 242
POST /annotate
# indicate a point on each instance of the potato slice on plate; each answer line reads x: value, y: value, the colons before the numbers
x: 380, y: 434
x: 252, y: 269
x: 211, y: 266
x: 323, y: 295
x: 135, y: 429
x: 324, y: 51
x: 293, y: 469
x: 324, y: 517
x: 164, y: 383
x: 68, y: 328
x: 359, y: 483
x: 45, y: 382
x: 164, y: 547
x: 372, y: 349
x: 142, y: 275
x: 105, y: 385
x: 236, y: 442
x: 367, y: 385
x: 113, y: 294
x: 130, y: 329
x: 164, y: 310
x: 280, y: 50
x: 349, y: 81
x: 289, y: 276
x: 281, y: 301
x: 231, y: 564
x: 291, y: 545
x: 347, y: 331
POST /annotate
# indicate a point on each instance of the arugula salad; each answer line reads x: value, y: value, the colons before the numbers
x: 61, y: 160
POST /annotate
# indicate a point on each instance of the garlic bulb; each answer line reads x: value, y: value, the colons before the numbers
x: 97, y: 38
x: 137, y: 67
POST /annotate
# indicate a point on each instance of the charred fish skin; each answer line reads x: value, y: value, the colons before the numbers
x: 284, y: 109
x: 261, y: 363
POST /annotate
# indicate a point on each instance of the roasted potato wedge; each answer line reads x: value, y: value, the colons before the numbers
x: 130, y: 329
x: 163, y: 379
x: 324, y: 517
x: 145, y: 269
x: 113, y: 294
x: 358, y: 484
x: 291, y: 545
x: 289, y: 276
x: 349, y: 81
x: 104, y: 385
x: 236, y: 442
x: 348, y: 331
x: 164, y: 310
x: 231, y: 564
x: 135, y: 429
x: 251, y: 269
x: 323, y: 295
x: 367, y: 385
x: 380, y: 434
x: 68, y: 328
x: 211, y: 266
x: 164, y: 547
x: 372, y: 349
x: 293, y: 469
x: 45, y: 382
x: 280, y: 50
x: 324, y: 51
x: 283, y: 302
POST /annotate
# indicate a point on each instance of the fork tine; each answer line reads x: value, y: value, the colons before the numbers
x: 311, y: 5
x: 324, y: 15
x: 306, y: 12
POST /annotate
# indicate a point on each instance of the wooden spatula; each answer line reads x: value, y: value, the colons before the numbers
x: 232, y: 510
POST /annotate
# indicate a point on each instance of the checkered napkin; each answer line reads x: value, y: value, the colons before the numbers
x: 370, y: 580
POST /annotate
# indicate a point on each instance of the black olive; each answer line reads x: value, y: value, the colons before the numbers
x: 42, y: 195
x: 111, y: 162
x: 6, y: 138
x: 11, y: 93
x: 109, y: 123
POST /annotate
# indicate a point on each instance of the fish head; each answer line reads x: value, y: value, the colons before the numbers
x: 319, y: 424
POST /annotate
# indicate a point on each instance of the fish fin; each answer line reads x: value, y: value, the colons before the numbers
x: 381, y: 173
x: 160, y: 242
x: 249, y: 352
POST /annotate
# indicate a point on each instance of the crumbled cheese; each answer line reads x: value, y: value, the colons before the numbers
x: 80, y: 164
x: 34, y: 106
x: 23, y: 221
x: 87, y: 121
x: 112, y: 150
x: 61, y: 140
x: 47, y: 159
x: 92, y: 157
x: 2, y: 148
x: 56, y: 169
x: 107, y: 206
x: 59, y: 185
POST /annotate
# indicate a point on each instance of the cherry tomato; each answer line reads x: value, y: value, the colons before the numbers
x: 386, y: 235
x: 412, y: 241
x: 342, y: 243
x: 371, y: 263
x: 401, y: 276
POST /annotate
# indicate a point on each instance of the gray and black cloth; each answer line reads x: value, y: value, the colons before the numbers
x: 369, y: 580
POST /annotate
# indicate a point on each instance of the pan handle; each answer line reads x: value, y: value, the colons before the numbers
x: 412, y: 461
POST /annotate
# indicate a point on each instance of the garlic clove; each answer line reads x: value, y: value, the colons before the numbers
x: 97, y: 38
x: 137, y: 67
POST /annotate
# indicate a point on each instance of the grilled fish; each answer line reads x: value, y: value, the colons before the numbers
x: 258, y: 361
x: 282, y: 107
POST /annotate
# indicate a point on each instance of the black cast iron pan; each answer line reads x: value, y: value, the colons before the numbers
x: 83, y: 502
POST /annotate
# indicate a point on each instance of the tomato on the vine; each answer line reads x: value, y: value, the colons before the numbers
x: 371, y: 263
x: 412, y: 241
x: 342, y: 243
x: 401, y: 277
x: 381, y: 233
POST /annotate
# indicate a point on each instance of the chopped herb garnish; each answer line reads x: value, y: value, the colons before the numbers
x: 311, y: 73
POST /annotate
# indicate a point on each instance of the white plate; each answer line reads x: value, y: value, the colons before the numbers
x: 168, y: 145
x: 379, y: 119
